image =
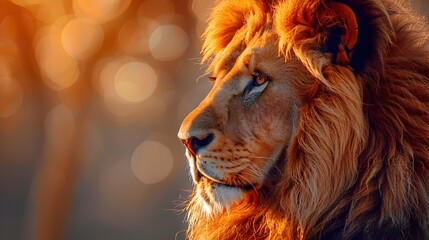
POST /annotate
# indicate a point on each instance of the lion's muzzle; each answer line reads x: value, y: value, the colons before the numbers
x: 195, y: 143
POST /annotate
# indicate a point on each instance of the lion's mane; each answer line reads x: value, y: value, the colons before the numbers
x: 358, y: 166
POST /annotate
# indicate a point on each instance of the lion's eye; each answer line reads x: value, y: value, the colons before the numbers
x: 256, y: 86
x: 259, y: 78
x: 212, y: 79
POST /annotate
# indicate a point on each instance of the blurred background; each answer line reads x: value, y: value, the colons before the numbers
x: 92, y: 94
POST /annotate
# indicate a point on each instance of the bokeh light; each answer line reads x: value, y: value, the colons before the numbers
x: 59, y: 69
x: 112, y: 101
x: 100, y: 10
x: 168, y: 42
x: 152, y: 162
x: 104, y: 80
x: 47, y: 11
x: 124, y: 84
x: 44, y: 10
x: 134, y: 35
x: 135, y: 81
x: 81, y: 38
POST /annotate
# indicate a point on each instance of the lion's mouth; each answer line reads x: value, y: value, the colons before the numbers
x: 215, y: 194
x: 210, y: 179
x: 245, y: 187
x: 198, y: 175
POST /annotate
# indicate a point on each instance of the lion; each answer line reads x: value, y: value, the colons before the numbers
x: 317, y: 124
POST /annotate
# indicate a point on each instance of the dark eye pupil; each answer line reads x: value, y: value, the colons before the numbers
x: 259, y: 79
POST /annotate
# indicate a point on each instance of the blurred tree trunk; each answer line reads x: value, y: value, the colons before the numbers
x: 55, y: 181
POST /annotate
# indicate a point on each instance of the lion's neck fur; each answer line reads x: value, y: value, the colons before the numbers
x: 373, y: 126
x: 248, y: 220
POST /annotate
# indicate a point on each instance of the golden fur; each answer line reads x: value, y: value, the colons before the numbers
x: 342, y: 152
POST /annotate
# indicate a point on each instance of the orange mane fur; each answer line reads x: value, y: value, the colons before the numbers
x: 358, y: 166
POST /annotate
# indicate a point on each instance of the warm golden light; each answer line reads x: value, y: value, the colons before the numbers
x: 29, y: 2
x: 118, y: 107
x: 114, y: 103
x: 100, y: 10
x: 81, y: 38
x: 152, y: 162
x: 107, y: 75
x: 134, y: 35
x: 92, y: 95
x: 47, y: 11
x: 125, y: 84
x: 168, y: 42
x: 135, y: 81
x: 8, y: 25
x: 201, y: 9
x: 11, y: 94
x: 59, y: 70
x: 155, y: 8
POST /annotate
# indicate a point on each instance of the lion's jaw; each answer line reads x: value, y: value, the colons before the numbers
x: 250, y: 125
x: 215, y: 193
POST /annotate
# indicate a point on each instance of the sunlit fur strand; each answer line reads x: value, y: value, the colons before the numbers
x: 359, y: 163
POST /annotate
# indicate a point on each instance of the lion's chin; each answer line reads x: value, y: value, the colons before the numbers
x: 219, y: 198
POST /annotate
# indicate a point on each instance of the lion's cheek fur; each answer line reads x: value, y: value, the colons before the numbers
x: 323, y: 158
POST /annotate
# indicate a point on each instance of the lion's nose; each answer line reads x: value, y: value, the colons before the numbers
x: 195, y: 143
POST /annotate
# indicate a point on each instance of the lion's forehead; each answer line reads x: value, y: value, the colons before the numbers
x: 245, y: 54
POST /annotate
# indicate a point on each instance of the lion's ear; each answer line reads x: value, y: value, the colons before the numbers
x: 328, y: 25
x: 342, y: 38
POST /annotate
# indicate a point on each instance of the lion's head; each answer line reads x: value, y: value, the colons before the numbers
x: 238, y: 133
x: 317, y: 119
